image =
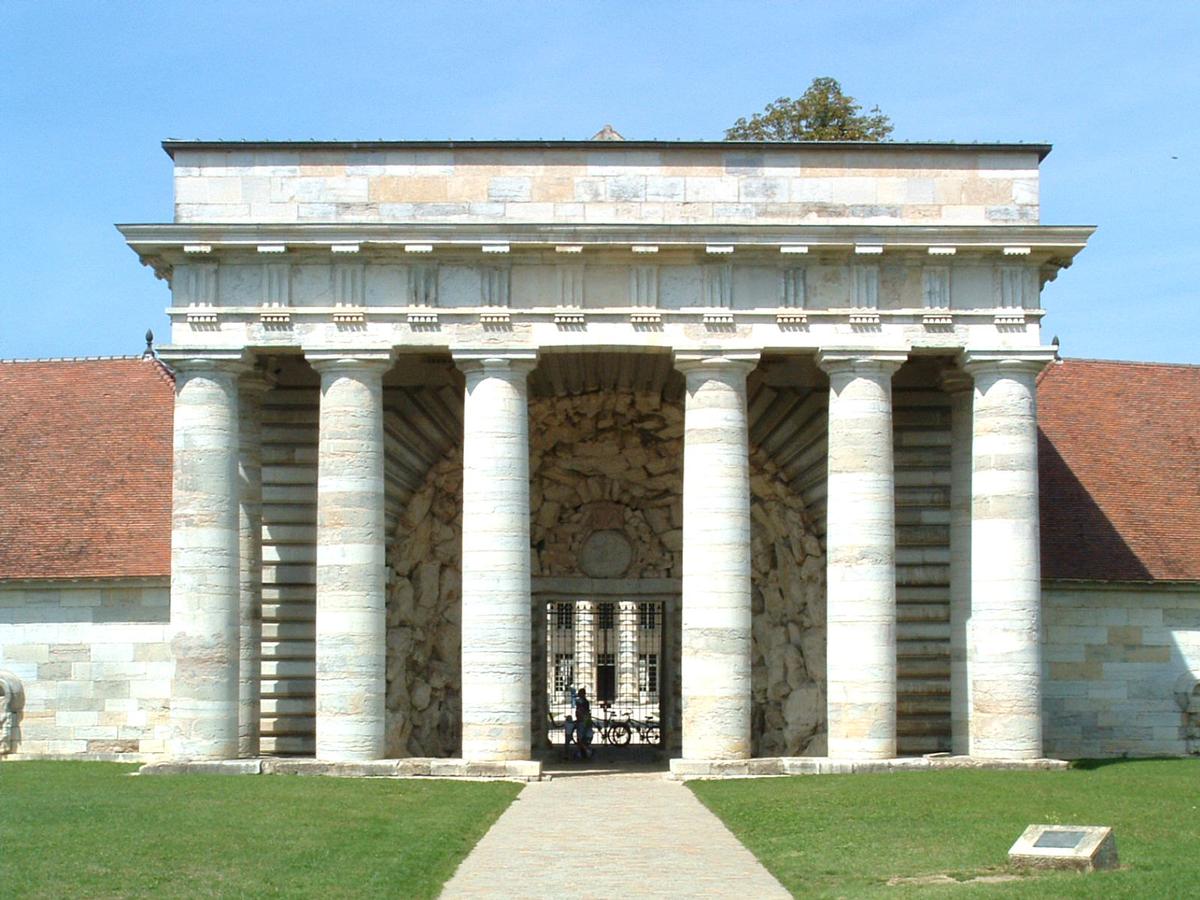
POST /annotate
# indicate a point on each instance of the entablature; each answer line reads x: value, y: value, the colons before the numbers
x: 271, y: 283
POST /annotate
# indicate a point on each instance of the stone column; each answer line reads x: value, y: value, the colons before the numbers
x: 1004, y: 652
x: 495, y: 558
x: 351, y: 640
x: 205, y: 558
x: 861, y: 552
x: 585, y: 646
x: 716, y: 558
x: 958, y: 385
x: 627, y: 651
x: 252, y: 389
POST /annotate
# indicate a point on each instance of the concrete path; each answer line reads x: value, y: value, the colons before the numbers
x: 601, y: 834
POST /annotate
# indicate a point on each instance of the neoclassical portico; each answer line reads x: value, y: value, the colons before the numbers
x: 750, y: 291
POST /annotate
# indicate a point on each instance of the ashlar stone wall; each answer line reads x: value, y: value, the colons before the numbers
x: 615, y: 183
x: 605, y: 461
x: 94, y: 658
x: 1121, y: 669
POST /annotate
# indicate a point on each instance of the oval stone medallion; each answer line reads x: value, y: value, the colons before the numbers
x: 605, y: 554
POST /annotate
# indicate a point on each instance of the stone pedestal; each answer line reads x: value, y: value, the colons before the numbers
x: 205, y: 559
x: 351, y: 622
x: 958, y: 385
x: 861, y: 552
x: 252, y: 389
x: 1004, y: 654
x: 496, y: 701
x: 716, y: 558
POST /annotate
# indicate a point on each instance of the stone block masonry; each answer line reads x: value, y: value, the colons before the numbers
x: 95, y: 660
x: 1121, y: 668
x: 590, y: 185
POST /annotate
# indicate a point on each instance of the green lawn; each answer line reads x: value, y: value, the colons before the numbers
x: 90, y: 830
x: 845, y: 836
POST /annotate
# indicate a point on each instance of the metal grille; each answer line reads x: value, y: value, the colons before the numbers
x: 613, y: 648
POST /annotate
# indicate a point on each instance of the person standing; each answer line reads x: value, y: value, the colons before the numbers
x: 583, y: 723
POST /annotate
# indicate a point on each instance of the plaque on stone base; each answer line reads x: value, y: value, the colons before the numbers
x: 1084, y: 848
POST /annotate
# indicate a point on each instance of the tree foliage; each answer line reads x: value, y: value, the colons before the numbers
x: 822, y: 113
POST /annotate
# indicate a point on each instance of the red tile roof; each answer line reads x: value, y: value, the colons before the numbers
x: 1120, y: 471
x: 85, y: 468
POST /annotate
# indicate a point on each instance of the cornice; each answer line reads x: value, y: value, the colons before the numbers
x: 163, y: 246
x: 206, y: 238
x: 172, y: 146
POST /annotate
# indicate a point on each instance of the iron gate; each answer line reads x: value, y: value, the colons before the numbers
x: 614, y: 648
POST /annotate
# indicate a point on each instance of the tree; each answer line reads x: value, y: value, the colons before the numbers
x: 823, y: 113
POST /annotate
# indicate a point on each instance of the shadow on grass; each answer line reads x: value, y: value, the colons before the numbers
x: 1091, y: 765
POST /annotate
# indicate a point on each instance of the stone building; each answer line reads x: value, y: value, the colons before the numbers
x: 743, y: 433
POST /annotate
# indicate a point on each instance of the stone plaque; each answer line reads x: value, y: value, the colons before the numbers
x: 1081, y: 847
x: 1060, y: 840
x: 605, y: 554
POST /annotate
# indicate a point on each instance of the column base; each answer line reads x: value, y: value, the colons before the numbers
x: 771, y: 766
x: 411, y: 767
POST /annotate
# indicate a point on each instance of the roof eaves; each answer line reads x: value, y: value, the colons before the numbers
x: 171, y: 145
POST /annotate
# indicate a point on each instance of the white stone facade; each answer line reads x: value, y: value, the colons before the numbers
x: 647, y: 183
x: 94, y: 658
x: 802, y: 305
x: 1121, y: 669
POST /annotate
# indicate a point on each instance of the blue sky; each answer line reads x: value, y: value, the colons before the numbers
x: 88, y: 90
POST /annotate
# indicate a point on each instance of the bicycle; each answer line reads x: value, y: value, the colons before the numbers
x: 648, y: 731
x: 614, y: 730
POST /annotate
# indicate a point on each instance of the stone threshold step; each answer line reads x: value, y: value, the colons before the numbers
x: 420, y: 767
x: 688, y: 769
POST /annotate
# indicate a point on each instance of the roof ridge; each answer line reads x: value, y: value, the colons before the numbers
x: 36, y: 359
x: 1132, y: 362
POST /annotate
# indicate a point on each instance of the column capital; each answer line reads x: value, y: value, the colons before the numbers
x: 1031, y: 361
x: 233, y: 362
x: 744, y: 361
x: 362, y: 359
x: 836, y: 360
x: 495, y: 361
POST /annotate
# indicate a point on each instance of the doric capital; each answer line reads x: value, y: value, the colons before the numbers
x: 495, y: 362
x: 186, y: 362
x: 734, y: 361
x: 351, y: 360
x: 1011, y: 362
x: 861, y: 362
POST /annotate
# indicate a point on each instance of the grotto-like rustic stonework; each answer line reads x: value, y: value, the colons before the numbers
x: 605, y: 461
x: 424, y: 609
x: 788, y: 603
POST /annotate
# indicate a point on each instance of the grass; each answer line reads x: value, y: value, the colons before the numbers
x: 845, y: 836
x: 89, y: 830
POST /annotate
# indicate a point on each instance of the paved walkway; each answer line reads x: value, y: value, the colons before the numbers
x: 603, y: 834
